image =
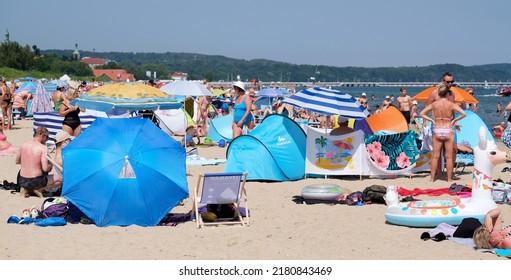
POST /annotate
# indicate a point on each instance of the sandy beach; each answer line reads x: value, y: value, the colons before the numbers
x: 280, y: 229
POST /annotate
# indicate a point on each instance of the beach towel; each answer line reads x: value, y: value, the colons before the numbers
x: 393, y: 152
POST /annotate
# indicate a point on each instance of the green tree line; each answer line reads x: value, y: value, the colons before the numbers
x: 55, y: 63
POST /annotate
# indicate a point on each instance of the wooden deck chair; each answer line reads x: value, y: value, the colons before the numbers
x: 221, y: 188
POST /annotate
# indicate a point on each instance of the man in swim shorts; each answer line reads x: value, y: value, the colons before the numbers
x: 35, y: 167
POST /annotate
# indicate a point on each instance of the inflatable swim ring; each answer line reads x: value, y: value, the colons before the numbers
x: 430, y: 213
x: 322, y: 192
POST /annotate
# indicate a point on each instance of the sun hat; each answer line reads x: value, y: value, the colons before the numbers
x: 239, y: 84
x: 387, y: 97
x: 61, y: 136
x: 363, y: 94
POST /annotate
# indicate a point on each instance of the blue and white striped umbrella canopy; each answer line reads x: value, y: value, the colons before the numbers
x: 328, y: 102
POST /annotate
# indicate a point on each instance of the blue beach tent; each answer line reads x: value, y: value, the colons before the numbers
x: 469, y: 130
x: 221, y: 128
x: 273, y: 151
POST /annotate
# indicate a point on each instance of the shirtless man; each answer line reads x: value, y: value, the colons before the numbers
x: 448, y: 80
x: 404, y: 104
x: 343, y: 127
x: 34, y: 164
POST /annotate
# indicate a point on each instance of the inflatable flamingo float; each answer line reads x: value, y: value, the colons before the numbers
x: 430, y: 213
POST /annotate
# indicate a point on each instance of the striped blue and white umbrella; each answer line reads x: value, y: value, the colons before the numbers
x: 328, y: 102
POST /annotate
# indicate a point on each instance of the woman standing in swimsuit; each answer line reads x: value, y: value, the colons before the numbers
x: 242, y: 107
x: 6, y: 103
x: 71, y: 123
x: 443, y: 133
x: 491, y: 234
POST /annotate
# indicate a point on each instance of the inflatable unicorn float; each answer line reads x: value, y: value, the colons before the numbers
x: 430, y: 213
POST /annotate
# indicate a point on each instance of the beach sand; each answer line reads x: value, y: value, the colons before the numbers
x: 280, y: 229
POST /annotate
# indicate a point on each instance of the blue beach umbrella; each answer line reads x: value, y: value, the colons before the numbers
x: 328, y: 102
x: 30, y: 87
x: 270, y: 92
x: 124, y: 171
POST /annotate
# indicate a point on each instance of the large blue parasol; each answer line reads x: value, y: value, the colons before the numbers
x: 124, y: 172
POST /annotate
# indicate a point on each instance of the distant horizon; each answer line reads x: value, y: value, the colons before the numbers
x: 71, y: 50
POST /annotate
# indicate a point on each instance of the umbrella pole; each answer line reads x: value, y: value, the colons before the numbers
x: 326, y: 176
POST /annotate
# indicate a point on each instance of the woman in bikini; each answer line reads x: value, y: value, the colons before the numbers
x: 6, y: 104
x: 491, y: 234
x: 443, y: 132
x: 71, y: 123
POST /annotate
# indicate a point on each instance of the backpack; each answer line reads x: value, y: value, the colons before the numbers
x: 54, y: 208
x: 376, y: 193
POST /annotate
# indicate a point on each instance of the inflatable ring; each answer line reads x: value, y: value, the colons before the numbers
x: 322, y: 192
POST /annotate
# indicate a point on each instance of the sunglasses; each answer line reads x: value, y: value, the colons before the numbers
x: 449, y: 82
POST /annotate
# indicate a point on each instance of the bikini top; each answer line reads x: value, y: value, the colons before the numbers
x: 3, y: 137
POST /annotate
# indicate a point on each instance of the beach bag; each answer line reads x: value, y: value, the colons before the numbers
x: 376, y: 193
x: 502, y: 194
x: 54, y: 208
x: 506, y: 137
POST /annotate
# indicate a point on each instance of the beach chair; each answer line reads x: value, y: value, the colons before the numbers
x: 221, y: 189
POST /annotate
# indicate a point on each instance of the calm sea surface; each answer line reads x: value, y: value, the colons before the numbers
x: 486, y: 97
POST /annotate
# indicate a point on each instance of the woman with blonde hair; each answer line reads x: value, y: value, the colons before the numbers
x: 443, y: 129
x: 491, y: 234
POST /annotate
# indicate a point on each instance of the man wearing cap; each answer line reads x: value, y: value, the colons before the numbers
x: 364, y: 101
x: 415, y: 111
x: 343, y: 127
x: 242, y: 107
x: 404, y: 104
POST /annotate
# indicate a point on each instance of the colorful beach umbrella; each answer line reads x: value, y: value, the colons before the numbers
x: 126, y: 97
x: 328, y: 102
x: 460, y: 95
x: 41, y: 101
x: 134, y: 175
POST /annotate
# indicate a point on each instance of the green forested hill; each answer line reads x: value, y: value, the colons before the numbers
x: 215, y: 67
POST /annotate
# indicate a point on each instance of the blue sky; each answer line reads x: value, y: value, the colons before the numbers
x: 366, y: 33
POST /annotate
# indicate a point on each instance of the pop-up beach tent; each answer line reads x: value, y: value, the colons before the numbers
x: 221, y: 128
x: 273, y: 151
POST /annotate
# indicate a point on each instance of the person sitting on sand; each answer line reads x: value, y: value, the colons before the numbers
x: 491, y: 234
x: 343, y: 127
x: 33, y: 176
x: 62, y: 138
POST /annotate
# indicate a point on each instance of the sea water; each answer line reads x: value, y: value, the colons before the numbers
x: 487, y: 100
